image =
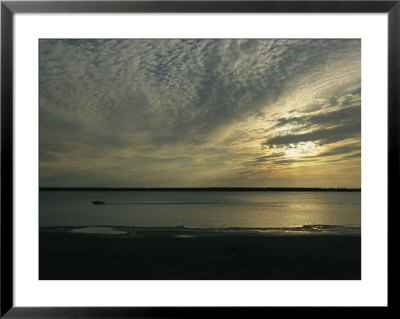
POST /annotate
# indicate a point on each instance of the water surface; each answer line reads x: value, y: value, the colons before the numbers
x: 307, y: 211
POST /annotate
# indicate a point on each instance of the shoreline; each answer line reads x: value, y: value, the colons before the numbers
x: 172, y: 231
x: 67, y: 255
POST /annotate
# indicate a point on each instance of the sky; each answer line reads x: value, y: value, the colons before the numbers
x: 200, y: 113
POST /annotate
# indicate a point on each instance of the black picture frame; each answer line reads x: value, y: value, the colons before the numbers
x: 9, y: 8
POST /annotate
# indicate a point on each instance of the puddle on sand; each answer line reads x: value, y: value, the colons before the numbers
x: 99, y: 230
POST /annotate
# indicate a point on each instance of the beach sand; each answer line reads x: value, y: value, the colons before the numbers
x: 80, y: 256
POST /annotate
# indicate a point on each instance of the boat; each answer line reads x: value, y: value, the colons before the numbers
x: 98, y: 202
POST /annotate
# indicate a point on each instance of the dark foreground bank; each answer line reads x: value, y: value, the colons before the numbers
x: 74, y: 256
x: 64, y: 255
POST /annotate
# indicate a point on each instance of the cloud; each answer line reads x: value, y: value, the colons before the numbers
x: 323, y: 136
x: 173, y: 89
x: 340, y: 150
x: 320, y: 128
x: 108, y: 98
x: 335, y: 118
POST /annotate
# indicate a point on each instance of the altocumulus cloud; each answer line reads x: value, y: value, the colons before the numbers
x: 103, y: 100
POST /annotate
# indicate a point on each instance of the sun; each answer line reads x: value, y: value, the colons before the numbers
x: 301, y: 149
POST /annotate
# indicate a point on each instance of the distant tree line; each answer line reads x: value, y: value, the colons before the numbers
x: 197, y: 189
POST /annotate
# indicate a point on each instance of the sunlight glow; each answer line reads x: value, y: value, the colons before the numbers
x: 301, y: 149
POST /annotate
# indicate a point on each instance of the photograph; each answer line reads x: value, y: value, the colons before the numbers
x: 199, y: 159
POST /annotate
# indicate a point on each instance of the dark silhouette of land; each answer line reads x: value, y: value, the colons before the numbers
x: 197, y: 189
x: 72, y: 256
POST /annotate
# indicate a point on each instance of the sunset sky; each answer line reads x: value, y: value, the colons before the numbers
x: 200, y: 113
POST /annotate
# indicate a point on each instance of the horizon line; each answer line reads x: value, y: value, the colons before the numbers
x: 223, y: 188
